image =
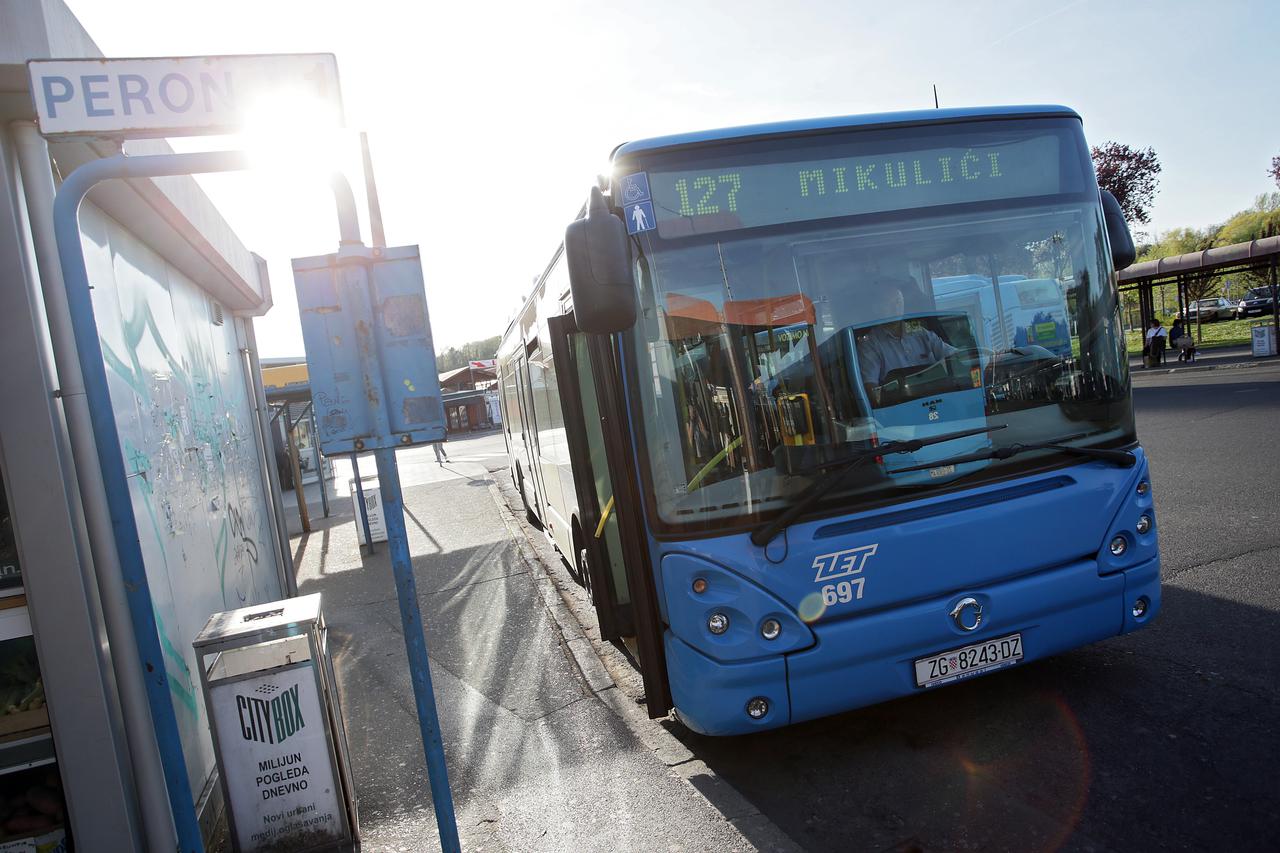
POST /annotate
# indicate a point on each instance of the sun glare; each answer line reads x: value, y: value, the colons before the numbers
x: 293, y: 132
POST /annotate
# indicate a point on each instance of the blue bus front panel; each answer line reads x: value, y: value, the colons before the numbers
x: 860, y: 598
x: 862, y: 661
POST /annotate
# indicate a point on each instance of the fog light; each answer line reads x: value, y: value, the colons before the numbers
x: 771, y: 629
x: 1143, y: 487
x: 699, y: 585
x: 718, y: 623
x: 1143, y: 525
x: 1140, y: 607
x: 757, y: 707
x: 1119, y: 546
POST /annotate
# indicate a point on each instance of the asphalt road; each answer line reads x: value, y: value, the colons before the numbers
x: 1168, y: 738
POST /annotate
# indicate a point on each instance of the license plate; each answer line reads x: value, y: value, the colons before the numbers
x: 970, y: 660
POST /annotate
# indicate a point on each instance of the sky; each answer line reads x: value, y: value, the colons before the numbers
x: 488, y: 122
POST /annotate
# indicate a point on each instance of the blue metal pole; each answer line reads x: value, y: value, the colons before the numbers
x: 416, y: 646
x: 364, y: 512
x: 124, y: 525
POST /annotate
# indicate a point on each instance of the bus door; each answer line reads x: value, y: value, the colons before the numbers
x: 598, y: 434
x: 533, y: 474
x: 598, y: 552
x: 518, y: 421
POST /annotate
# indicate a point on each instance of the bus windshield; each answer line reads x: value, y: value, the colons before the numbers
x: 788, y: 321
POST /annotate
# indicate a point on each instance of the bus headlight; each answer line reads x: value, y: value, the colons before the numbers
x: 718, y: 623
x: 1143, y: 525
x: 1144, y: 486
x: 757, y: 708
x: 771, y: 629
x: 1119, y: 546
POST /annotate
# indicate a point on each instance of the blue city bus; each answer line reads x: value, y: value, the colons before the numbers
x: 773, y: 402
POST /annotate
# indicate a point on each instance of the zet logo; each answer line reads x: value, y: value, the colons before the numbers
x: 841, y: 564
x: 270, y: 720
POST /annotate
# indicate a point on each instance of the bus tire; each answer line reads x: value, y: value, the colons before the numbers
x: 529, y: 514
x: 582, y: 562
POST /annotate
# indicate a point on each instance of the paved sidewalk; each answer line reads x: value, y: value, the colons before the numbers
x: 536, y: 760
x: 1206, y: 359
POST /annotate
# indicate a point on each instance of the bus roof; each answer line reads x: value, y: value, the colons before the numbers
x: 816, y: 125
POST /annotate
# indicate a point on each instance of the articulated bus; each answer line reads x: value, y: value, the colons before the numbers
x: 830, y: 412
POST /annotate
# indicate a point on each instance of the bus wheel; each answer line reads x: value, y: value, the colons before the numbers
x: 583, y: 565
x: 529, y: 514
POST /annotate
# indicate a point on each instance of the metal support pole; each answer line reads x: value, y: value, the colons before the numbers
x: 96, y: 397
x: 364, y: 511
x: 304, y: 514
x: 371, y: 192
x: 1275, y: 306
x: 416, y: 646
x: 279, y: 524
x: 319, y: 457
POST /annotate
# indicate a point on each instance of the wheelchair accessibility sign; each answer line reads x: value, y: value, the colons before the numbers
x: 635, y: 188
x: 637, y: 207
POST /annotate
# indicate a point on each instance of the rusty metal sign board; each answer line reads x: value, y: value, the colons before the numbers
x: 369, y: 352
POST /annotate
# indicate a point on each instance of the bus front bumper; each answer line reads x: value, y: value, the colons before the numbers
x: 868, y: 659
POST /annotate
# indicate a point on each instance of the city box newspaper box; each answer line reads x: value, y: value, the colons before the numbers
x: 277, y: 727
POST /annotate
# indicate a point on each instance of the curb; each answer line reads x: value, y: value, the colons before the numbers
x: 751, y: 823
x: 1239, y: 365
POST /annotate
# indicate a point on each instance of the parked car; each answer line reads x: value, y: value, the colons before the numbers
x: 1257, y: 301
x: 1208, y: 310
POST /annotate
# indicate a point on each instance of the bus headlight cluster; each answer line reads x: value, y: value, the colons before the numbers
x: 1144, y: 524
x: 757, y: 708
x: 718, y: 623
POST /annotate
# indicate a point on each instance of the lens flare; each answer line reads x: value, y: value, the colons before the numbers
x: 811, y: 607
x: 992, y: 767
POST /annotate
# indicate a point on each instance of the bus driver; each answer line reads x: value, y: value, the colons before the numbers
x: 891, y: 346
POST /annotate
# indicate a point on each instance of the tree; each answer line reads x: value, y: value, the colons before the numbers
x: 455, y: 357
x: 1274, y: 171
x: 1129, y: 174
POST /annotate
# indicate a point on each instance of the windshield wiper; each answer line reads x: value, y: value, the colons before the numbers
x: 763, y: 534
x: 1122, y: 458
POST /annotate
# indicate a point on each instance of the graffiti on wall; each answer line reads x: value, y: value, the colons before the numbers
x: 189, y: 445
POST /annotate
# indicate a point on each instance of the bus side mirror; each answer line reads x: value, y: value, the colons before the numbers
x: 1123, y: 252
x: 604, y: 291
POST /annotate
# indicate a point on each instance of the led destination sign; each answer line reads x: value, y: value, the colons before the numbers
x: 748, y: 195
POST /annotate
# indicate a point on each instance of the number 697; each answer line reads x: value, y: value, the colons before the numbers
x: 842, y: 592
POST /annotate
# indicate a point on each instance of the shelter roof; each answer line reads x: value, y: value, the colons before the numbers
x: 1254, y: 253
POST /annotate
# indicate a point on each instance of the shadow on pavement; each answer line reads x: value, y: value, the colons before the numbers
x: 535, y: 761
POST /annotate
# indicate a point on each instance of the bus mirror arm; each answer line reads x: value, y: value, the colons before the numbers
x: 600, y: 277
x: 1123, y: 252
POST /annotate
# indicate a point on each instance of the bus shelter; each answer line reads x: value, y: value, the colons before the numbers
x: 175, y: 292
x: 1261, y: 257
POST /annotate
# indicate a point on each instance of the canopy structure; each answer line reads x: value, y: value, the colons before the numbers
x: 1260, y: 256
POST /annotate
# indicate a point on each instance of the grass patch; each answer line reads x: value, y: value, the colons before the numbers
x: 1223, y: 333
